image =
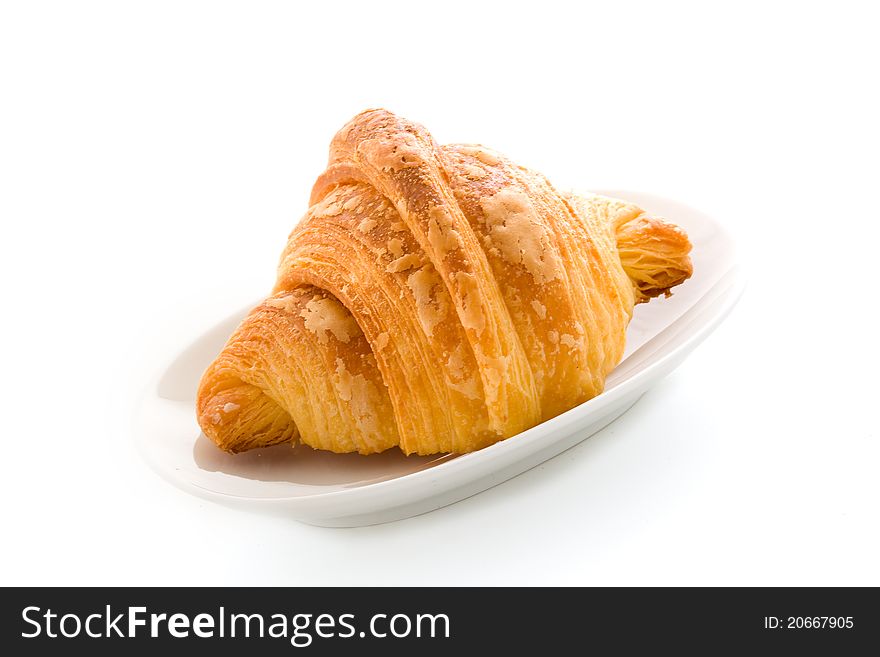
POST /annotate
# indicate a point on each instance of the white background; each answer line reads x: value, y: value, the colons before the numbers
x: 145, y: 146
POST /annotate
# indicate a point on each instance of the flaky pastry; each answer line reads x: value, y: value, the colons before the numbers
x: 435, y: 298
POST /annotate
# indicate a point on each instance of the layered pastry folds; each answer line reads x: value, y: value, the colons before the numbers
x: 435, y: 298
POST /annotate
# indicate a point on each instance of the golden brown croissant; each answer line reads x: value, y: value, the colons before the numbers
x: 436, y: 298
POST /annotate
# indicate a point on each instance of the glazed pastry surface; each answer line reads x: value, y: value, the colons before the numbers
x: 435, y: 298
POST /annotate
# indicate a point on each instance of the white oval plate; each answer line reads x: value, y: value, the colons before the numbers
x: 346, y: 490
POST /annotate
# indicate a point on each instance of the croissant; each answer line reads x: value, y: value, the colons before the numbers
x: 435, y: 298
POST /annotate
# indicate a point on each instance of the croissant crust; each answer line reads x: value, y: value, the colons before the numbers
x: 435, y: 298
